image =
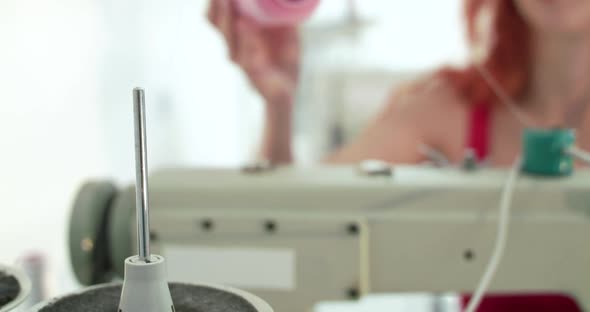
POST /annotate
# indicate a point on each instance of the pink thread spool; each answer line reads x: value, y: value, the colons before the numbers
x: 277, y: 12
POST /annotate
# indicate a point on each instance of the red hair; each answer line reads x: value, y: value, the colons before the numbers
x: 507, y: 54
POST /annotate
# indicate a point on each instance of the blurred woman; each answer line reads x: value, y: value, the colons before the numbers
x: 530, y: 67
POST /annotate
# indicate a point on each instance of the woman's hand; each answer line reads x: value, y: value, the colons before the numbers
x: 268, y: 55
x: 270, y: 58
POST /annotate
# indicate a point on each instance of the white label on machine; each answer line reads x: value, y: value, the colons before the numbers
x: 256, y: 268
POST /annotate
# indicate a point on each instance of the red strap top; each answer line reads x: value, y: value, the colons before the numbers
x: 479, y: 131
x: 478, y: 140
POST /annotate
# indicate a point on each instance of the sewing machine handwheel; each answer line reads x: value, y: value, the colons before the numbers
x: 121, y: 230
x: 88, y: 240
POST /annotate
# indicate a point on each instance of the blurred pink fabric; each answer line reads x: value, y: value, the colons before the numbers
x: 277, y: 12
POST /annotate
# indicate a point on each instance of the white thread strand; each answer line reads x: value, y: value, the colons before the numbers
x: 504, y: 97
x: 579, y: 154
x: 501, y: 238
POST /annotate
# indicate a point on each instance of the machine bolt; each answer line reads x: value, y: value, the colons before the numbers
x: 353, y: 229
x: 154, y: 236
x: 469, y: 255
x: 353, y: 293
x: 270, y: 226
x: 207, y: 225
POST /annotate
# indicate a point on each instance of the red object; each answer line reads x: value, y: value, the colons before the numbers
x: 479, y: 134
x: 525, y: 303
x: 478, y: 141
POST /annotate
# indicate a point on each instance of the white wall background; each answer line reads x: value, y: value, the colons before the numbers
x: 50, y: 134
x: 67, y: 68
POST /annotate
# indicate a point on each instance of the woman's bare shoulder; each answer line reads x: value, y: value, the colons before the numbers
x: 426, y: 96
x: 434, y: 105
x: 426, y: 111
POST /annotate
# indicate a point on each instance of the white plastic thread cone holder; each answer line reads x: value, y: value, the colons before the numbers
x: 145, y: 288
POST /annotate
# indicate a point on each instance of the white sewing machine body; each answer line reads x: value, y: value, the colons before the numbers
x: 297, y: 236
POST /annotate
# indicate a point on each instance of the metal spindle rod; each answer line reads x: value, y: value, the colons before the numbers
x: 141, y: 176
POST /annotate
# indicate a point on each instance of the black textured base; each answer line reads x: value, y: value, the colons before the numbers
x: 186, y: 298
x: 9, y: 288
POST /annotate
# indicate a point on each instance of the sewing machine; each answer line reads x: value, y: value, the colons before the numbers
x: 297, y: 236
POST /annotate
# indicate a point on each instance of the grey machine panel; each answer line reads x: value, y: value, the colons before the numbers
x: 297, y: 236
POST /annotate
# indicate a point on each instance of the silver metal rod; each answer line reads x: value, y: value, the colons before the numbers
x: 141, y: 176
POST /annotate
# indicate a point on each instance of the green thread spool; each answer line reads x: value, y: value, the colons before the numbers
x: 544, y: 152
